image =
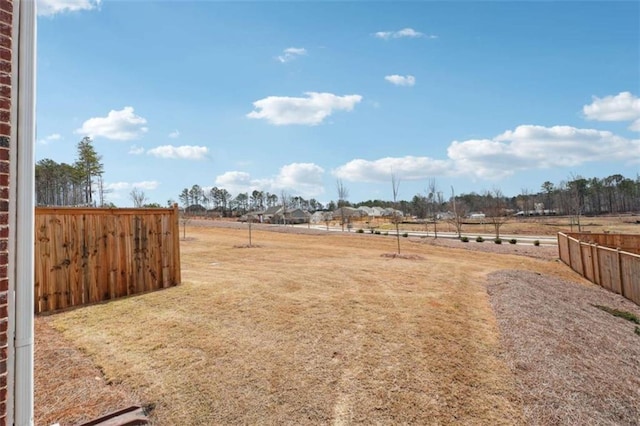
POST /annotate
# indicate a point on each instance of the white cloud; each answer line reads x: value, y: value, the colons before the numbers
x: 407, y: 168
x: 235, y: 182
x: 47, y: 139
x: 311, y: 111
x: 527, y: 147
x: 291, y: 53
x: 539, y: 147
x: 136, y: 150
x: 120, y: 125
x: 185, y: 152
x: 403, y: 33
x: 146, y: 184
x: 123, y: 186
x: 117, y: 186
x: 52, y: 7
x: 301, y: 178
x: 400, y: 80
x: 304, y: 179
x: 622, y: 107
x: 175, y: 134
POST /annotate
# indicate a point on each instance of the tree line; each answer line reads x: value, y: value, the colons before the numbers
x: 76, y: 184
x: 80, y: 184
x: 222, y: 201
x: 575, y: 196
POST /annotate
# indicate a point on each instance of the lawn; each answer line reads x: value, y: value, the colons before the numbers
x: 308, y: 329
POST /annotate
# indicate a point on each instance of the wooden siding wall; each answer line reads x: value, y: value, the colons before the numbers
x: 611, y: 268
x: 88, y: 255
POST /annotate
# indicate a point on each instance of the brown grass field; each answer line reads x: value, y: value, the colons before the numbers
x: 303, y: 329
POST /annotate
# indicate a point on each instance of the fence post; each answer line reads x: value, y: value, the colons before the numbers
x: 596, y: 259
x: 620, y: 272
x: 176, y: 245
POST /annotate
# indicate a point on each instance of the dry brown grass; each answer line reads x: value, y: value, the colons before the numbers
x: 311, y: 329
x: 69, y: 386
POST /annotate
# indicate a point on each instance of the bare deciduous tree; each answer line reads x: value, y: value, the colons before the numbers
x: 435, y: 201
x: 343, y: 194
x: 285, y: 199
x: 495, y: 209
x: 395, y: 186
x: 138, y: 197
x: 577, y: 188
x: 459, y: 211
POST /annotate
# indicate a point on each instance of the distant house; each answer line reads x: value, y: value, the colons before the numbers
x: 477, y: 216
x: 320, y: 216
x: 195, y: 209
x: 267, y: 215
x: 348, y: 212
x: 293, y: 216
x: 390, y: 212
x: 445, y: 216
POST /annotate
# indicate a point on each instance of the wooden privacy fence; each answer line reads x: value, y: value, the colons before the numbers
x: 87, y: 255
x: 612, y: 268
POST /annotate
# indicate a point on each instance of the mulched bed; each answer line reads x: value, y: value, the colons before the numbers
x: 574, y: 363
x: 538, y: 252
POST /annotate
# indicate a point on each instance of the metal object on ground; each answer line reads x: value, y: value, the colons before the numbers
x: 131, y: 416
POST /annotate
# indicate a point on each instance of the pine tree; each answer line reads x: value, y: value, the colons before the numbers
x: 89, y: 167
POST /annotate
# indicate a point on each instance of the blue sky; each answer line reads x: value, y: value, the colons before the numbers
x: 291, y: 96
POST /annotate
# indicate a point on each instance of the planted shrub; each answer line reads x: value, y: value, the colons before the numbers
x: 536, y: 243
x: 386, y: 233
x: 377, y: 232
x: 513, y: 241
x: 497, y: 241
x: 360, y: 231
x: 479, y: 240
x: 405, y: 235
x: 464, y: 239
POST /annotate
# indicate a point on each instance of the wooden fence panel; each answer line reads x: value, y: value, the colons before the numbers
x: 587, y: 261
x: 90, y: 255
x: 563, y: 247
x: 611, y: 268
x: 575, y: 256
x: 630, y: 274
x: 626, y: 242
